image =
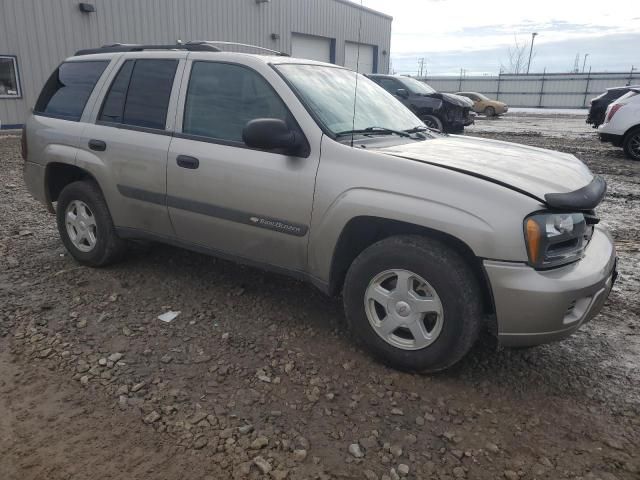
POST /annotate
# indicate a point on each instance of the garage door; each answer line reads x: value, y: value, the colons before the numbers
x: 313, y: 48
x: 367, y: 53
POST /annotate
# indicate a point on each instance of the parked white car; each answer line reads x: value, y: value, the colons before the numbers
x: 621, y: 125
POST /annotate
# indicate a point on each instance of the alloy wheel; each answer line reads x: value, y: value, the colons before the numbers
x: 81, y: 226
x: 404, y: 309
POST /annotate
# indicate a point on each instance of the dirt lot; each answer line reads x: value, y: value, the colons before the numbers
x: 257, y: 377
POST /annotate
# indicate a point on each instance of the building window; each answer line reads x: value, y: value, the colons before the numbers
x: 9, y: 78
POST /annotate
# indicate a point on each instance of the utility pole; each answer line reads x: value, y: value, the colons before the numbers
x: 421, y: 63
x: 576, y: 63
x: 533, y: 37
x: 584, y: 63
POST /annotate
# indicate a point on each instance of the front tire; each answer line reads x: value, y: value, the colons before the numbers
x: 490, y: 112
x: 85, y: 225
x: 413, y: 303
x: 631, y: 144
x: 432, y: 121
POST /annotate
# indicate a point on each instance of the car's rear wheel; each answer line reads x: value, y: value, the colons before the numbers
x: 490, y: 112
x: 413, y: 303
x: 432, y: 121
x: 631, y: 144
x: 85, y: 225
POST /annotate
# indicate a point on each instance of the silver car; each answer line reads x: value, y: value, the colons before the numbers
x: 314, y: 171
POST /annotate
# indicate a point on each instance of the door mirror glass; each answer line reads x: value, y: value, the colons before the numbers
x: 273, y: 134
x: 401, y: 92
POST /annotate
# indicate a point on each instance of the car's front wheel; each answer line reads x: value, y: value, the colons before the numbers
x: 432, y: 121
x: 413, y: 302
x: 85, y: 225
x: 490, y: 112
x: 631, y: 144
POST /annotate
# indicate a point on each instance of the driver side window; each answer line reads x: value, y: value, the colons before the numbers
x: 222, y: 98
x: 390, y: 86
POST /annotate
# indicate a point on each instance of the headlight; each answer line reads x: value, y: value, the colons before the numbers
x: 555, y: 239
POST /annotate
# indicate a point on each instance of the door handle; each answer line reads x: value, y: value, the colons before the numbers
x: 185, y: 161
x: 97, y: 145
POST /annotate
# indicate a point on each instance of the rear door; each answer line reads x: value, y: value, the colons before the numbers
x: 225, y: 196
x: 128, y: 141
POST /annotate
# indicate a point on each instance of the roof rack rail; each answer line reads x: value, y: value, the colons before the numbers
x: 131, y: 47
x: 236, y: 44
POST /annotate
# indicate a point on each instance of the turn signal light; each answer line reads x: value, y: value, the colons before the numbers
x: 533, y: 240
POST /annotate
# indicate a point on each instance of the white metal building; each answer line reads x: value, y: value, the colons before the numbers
x: 36, y: 35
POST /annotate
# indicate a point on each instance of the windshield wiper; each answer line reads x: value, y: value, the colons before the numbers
x: 421, y: 129
x: 375, y: 130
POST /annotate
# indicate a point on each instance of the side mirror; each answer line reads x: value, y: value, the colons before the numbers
x: 274, y: 134
x: 401, y: 92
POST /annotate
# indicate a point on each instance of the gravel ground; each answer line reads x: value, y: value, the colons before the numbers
x: 256, y: 378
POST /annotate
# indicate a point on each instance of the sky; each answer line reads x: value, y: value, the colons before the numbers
x: 475, y: 35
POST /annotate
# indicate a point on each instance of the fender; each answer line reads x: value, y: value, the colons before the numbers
x: 466, y: 226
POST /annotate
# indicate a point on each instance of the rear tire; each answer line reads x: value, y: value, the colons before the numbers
x: 452, y: 296
x: 432, y: 121
x: 490, y: 112
x: 86, y: 227
x: 631, y: 144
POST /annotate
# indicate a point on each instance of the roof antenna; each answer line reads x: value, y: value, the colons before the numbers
x: 355, y: 93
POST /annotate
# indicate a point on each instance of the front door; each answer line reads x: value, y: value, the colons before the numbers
x: 251, y: 204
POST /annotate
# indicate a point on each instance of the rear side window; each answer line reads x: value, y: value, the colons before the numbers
x: 222, y: 98
x: 66, y: 92
x: 139, y: 95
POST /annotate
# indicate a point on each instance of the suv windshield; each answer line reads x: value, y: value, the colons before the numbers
x: 416, y: 86
x: 329, y: 92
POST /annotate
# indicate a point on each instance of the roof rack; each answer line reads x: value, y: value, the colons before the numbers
x: 236, y: 44
x: 130, y: 47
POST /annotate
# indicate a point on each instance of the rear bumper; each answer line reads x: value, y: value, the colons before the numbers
x: 611, y: 138
x: 34, y: 178
x: 535, y: 307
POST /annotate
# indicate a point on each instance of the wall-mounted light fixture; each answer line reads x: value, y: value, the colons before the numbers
x: 86, y: 8
x: 275, y: 36
x: 384, y: 52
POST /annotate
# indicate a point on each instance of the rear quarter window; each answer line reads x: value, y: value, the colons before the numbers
x: 66, y: 92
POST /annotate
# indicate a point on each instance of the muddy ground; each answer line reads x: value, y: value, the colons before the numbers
x: 257, y: 377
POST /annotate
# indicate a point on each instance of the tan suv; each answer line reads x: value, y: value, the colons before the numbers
x: 430, y: 238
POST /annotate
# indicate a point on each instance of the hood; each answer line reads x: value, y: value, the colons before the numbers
x: 457, y: 99
x: 537, y: 171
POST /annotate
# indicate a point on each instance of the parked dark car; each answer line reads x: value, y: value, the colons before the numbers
x: 442, y: 111
x: 600, y: 103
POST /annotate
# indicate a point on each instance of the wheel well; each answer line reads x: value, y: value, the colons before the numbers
x: 59, y: 175
x: 630, y: 130
x: 362, y: 232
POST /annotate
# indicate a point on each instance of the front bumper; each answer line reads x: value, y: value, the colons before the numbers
x: 535, y: 307
x: 470, y: 118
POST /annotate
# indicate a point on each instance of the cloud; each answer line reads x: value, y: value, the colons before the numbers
x: 440, y: 28
x: 606, y: 53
